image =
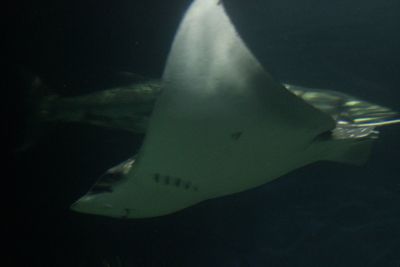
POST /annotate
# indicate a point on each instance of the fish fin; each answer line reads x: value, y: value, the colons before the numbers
x: 350, y: 151
x: 346, y: 108
x: 221, y: 125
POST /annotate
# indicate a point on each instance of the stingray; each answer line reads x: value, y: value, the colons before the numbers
x: 221, y: 125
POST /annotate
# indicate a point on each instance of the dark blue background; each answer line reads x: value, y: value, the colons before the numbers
x: 326, y: 214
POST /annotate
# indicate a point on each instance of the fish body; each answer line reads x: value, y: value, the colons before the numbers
x: 125, y: 108
x: 222, y: 125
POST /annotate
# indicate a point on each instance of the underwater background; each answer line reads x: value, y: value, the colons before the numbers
x: 325, y: 214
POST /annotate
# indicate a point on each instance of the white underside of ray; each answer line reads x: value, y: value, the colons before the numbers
x: 220, y: 126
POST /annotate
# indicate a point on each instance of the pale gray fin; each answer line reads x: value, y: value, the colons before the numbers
x: 349, y: 151
x: 220, y: 126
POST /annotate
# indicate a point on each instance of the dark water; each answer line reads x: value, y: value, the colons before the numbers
x: 321, y: 215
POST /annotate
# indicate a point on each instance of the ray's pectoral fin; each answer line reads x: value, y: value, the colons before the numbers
x: 220, y: 126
